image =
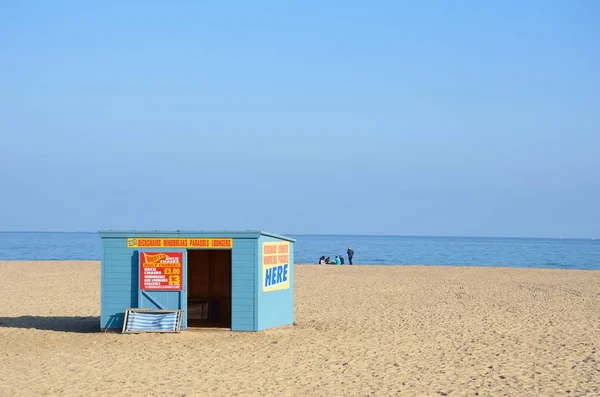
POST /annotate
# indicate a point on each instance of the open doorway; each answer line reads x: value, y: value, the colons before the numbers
x: 209, y: 288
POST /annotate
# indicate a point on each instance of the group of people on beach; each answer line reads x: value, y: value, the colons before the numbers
x: 338, y: 260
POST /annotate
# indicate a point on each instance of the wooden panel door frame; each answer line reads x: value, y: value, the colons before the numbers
x: 182, y: 293
x: 210, y: 291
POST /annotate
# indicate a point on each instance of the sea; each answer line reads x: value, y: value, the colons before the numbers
x: 375, y: 250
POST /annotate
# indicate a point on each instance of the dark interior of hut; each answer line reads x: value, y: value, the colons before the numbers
x: 209, y: 288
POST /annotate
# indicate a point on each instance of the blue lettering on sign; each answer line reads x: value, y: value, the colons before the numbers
x: 276, y: 275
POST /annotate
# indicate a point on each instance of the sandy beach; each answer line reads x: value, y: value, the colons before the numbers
x: 361, y: 330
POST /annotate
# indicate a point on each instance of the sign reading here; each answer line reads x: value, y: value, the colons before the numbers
x: 275, y: 266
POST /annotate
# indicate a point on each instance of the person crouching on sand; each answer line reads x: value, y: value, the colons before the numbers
x: 337, y: 260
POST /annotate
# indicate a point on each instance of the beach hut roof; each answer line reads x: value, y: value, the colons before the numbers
x: 184, y: 233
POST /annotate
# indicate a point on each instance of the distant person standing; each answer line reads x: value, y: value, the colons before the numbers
x: 350, y: 255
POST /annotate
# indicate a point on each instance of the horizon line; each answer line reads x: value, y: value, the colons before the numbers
x: 348, y: 235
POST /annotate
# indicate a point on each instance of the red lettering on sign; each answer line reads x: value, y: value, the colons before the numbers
x: 283, y: 249
x: 269, y: 249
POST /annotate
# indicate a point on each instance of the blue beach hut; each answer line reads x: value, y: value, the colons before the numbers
x: 238, y: 280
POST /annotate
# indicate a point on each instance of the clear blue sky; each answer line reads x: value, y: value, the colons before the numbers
x: 431, y: 117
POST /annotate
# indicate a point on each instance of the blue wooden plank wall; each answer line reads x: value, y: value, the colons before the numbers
x: 119, y: 282
x: 275, y: 308
x: 243, y: 289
